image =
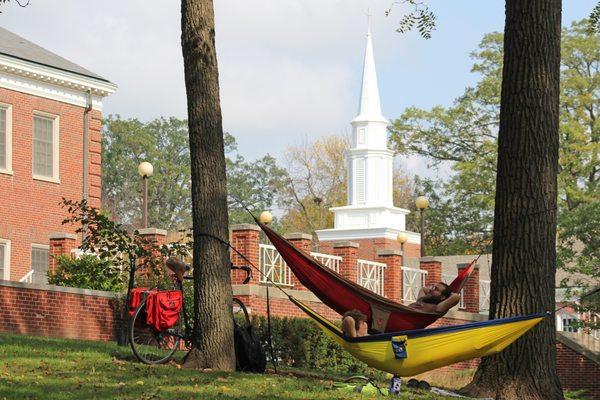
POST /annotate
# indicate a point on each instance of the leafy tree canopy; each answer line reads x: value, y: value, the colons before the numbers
x: 463, y: 137
x: 164, y: 142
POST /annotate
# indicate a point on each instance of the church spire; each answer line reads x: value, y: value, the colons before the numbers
x: 369, y: 108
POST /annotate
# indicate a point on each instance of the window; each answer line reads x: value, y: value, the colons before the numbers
x: 360, y: 181
x: 45, y: 147
x: 567, y: 324
x: 40, y: 262
x: 5, y: 139
x: 361, y: 135
x: 4, y: 259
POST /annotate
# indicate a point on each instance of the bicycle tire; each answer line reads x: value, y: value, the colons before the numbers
x: 148, y: 345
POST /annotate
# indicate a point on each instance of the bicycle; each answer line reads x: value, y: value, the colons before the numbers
x: 152, y: 346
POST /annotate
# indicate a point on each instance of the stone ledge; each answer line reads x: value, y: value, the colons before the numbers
x: 274, y: 293
x: 297, y: 236
x: 245, y: 227
x: 465, y: 316
x: 62, y: 235
x: 346, y: 243
x: 465, y: 265
x: 428, y: 259
x: 152, y: 231
x: 62, y: 289
x: 389, y: 252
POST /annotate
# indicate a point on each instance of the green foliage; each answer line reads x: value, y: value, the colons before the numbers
x: 87, y: 272
x: 594, y: 20
x: 164, y: 142
x: 254, y: 185
x: 463, y: 139
x: 111, y: 241
x: 299, y: 343
x: 419, y: 17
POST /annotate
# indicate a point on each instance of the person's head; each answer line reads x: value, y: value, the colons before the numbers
x: 437, y: 293
x: 358, y: 317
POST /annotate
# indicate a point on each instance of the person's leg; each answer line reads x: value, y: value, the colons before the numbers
x: 349, y: 327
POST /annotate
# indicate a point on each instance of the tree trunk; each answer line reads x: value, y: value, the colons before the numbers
x: 213, y: 329
x: 524, y: 248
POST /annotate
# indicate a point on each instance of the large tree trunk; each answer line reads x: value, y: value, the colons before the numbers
x: 213, y: 329
x: 524, y: 249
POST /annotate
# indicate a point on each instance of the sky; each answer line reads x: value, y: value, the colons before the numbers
x: 289, y: 70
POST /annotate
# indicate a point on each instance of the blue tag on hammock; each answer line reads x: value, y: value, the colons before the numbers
x: 399, y: 347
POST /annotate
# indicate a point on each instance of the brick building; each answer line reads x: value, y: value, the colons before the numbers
x: 50, y: 121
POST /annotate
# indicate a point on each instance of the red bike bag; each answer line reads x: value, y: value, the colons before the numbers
x: 163, y: 308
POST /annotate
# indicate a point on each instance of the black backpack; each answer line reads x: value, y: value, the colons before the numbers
x: 249, y: 353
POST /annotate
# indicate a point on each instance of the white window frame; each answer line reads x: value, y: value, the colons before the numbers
x: 38, y: 246
x: 55, y: 178
x: 8, y: 170
x: 6, y: 243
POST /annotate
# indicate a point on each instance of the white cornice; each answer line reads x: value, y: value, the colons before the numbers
x: 371, y: 207
x: 51, y: 83
x: 365, y: 233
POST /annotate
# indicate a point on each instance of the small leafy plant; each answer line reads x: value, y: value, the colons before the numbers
x: 87, y: 272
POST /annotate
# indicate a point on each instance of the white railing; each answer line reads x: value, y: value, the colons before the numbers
x: 272, y: 266
x: 484, y: 295
x: 371, y: 275
x: 331, y: 262
x: 412, y: 281
x: 28, y: 278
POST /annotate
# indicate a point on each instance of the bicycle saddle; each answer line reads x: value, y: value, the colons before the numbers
x: 178, y: 267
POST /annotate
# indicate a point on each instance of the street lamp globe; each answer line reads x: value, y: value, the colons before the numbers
x: 265, y: 217
x: 421, y: 202
x: 145, y: 169
x: 402, y: 238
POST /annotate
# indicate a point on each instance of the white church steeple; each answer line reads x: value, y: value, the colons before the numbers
x: 369, y: 107
x: 370, y: 212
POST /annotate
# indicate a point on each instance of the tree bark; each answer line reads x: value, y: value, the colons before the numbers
x: 213, y: 328
x: 524, y: 248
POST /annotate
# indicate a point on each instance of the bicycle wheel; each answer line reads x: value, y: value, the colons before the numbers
x: 149, y: 345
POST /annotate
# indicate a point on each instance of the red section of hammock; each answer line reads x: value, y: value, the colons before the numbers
x: 343, y: 295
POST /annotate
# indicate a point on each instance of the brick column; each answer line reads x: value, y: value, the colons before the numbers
x: 393, y: 273
x: 245, y: 238
x: 158, y: 237
x: 433, y: 268
x: 60, y: 243
x: 302, y: 241
x: 349, y: 253
x: 470, y: 291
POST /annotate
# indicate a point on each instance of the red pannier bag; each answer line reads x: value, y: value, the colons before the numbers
x: 163, y: 308
x: 135, y: 298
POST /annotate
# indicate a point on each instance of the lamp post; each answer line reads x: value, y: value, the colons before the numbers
x: 422, y: 203
x: 145, y: 169
x: 402, y: 238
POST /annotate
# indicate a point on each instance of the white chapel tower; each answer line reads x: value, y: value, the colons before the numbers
x: 370, y: 212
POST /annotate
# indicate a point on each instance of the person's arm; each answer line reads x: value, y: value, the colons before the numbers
x: 447, y: 304
x: 424, y: 291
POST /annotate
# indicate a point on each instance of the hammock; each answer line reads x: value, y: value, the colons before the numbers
x: 341, y: 294
x: 427, y: 349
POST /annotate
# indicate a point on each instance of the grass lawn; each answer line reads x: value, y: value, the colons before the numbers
x: 42, y: 368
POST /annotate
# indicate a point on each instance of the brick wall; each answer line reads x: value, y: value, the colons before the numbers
x: 30, y: 208
x: 55, y: 311
x: 576, y: 371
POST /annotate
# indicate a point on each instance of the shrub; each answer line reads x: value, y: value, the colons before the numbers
x: 87, y: 272
x: 299, y: 343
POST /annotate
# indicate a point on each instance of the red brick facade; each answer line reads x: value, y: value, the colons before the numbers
x: 30, y: 210
x: 577, y: 371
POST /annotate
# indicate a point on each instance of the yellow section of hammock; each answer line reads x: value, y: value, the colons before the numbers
x: 429, y: 351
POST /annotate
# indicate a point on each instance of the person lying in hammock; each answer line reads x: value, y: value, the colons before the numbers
x: 437, y: 298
